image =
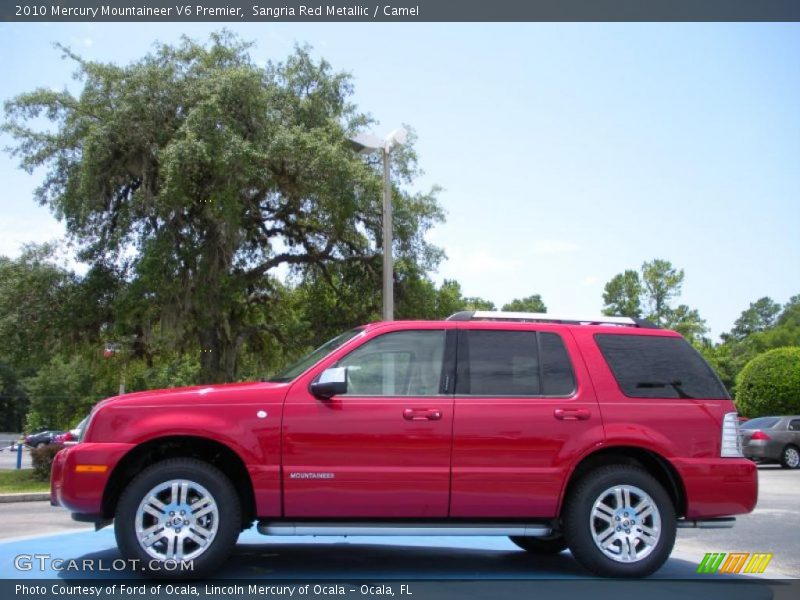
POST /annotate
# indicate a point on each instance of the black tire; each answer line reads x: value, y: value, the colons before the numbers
x: 790, y: 456
x: 578, y: 522
x: 543, y: 546
x: 41, y: 445
x: 198, y: 472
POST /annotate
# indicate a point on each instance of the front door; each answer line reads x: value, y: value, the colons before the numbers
x: 381, y: 450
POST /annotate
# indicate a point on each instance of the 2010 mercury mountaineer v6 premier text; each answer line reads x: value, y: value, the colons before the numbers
x: 602, y: 435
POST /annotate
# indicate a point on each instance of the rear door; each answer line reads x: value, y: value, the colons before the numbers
x: 525, y: 410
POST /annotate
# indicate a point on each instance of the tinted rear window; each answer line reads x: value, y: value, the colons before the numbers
x: 498, y: 363
x: 513, y: 363
x: 659, y: 367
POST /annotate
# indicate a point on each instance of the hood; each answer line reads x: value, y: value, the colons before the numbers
x: 201, y: 394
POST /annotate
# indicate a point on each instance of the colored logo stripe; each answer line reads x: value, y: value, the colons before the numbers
x: 758, y: 563
x: 736, y: 562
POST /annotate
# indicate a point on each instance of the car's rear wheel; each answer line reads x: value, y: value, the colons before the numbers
x: 178, y: 512
x: 551, y: 544
x: 790, y: 457
x: 620, y: 522
x: 41, y: 445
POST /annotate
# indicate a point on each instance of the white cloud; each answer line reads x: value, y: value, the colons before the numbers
x: 591, y: 280
x: 479, y: 261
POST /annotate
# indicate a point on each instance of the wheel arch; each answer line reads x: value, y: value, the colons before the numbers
x: 652, y: 462
x: 181, y: 446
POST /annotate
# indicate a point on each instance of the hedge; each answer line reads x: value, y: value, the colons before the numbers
x: 770, y: 384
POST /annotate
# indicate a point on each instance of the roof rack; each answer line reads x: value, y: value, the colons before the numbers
x: 498, y: 315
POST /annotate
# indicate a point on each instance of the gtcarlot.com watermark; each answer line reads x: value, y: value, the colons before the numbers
x: 47, y: 562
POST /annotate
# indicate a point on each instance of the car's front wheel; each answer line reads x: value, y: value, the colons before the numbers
x: 790, y: 457
x: 620, y: 522
x: 178, y: 518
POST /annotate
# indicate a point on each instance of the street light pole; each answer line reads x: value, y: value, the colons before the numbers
x: 371, y: 143
x: 388, y: 263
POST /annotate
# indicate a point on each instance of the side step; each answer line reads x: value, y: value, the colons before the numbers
x: 717, y: 523
x: 418, y: 528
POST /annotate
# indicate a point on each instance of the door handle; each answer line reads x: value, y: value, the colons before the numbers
x: 422, y: 414
x: 571, y: 414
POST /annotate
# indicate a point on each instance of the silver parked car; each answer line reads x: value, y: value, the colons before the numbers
x: 772, y: 439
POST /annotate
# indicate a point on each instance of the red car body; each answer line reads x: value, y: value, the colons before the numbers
x: 481, y: 458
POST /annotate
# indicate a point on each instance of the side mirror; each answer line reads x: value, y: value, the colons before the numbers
x: 330, y: 383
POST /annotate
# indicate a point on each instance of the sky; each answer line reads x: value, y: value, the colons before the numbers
x: 567, y: 153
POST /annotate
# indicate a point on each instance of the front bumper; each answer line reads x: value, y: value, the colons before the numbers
x: 80, y: 474
x: 718, y: 487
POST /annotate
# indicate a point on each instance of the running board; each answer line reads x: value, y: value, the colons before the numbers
x: 718, y: 523
x: 366, y: 528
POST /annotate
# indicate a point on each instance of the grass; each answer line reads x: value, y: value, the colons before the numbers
x: 15, y: 481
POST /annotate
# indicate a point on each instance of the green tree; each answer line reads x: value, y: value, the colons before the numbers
x: 622, y: 295
x: 687, y: 322
x: 35, y: 306
x: 477, y: 303
x: 13, y: 400
x: 738, y: 348
x: 61, y: 393
x: 532, y: 303
x: 195, y: 175
x: 662, y: 282
x: 657, y: 286
x: 770, y: 384
x: 759, y: 316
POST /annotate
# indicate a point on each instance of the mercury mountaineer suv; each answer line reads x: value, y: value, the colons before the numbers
x: 602, y: 435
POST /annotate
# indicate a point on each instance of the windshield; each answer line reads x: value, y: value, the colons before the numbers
x: 760, y: 423
x: 314, y: 357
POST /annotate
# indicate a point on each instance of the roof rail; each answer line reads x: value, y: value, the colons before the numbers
x: 497, y: 315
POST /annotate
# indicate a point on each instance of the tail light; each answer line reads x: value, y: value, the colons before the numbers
x: 760, y: 435
x: 731, y: 446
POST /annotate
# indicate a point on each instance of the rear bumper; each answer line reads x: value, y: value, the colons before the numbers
x: 718, y: 487
x: 80, y: 473
x: 761, y: 450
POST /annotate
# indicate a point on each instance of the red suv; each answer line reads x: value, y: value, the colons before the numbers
x: 601, y: 435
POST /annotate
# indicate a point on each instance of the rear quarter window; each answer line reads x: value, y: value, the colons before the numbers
x: 659, y: 367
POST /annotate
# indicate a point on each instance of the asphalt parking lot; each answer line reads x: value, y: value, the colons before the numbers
x: 8, y: 459
x: 773, y: 527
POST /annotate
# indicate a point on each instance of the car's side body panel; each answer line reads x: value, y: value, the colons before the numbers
x: 359, y: 457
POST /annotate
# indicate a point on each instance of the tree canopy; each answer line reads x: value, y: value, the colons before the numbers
x: 532, y: 303
x: 650, y: 294
x: 194, y: 176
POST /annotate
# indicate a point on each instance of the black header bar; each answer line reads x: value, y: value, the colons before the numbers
x: 241, y: 11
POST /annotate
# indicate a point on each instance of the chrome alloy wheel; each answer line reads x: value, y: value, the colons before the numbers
x: 791, y: 457
x: 625, y: 523
x: 177, y: 520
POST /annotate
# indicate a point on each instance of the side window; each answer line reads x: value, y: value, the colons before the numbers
x: 498, y: 363
x: 401, y: 363
x: 557, y: 377
x: 513, y: 363
x: 794, y: 425
x: 659, y: 367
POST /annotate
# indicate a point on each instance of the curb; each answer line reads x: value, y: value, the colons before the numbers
x: 25, y: 497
